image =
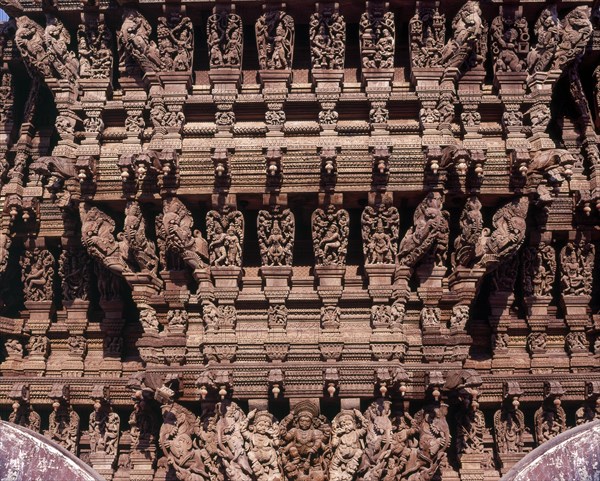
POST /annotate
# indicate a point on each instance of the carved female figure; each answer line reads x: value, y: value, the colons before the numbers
x: 261, y: 434
x: 347, y: 442
x: 230, y: 441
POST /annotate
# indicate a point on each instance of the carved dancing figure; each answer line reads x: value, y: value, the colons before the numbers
x: 330, y: 229
x: 276, y: 237
x: 260, y: 430
x: 347, y: 443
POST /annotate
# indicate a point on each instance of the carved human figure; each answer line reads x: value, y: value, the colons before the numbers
x: 261, y: 433
x: 276, y: 236
x: 304, y: 440
x: 427, y: 33
x: 74, y: 271
x: 23, y: 413
x: 175, y: 35
x: 225, y: 39
x: 94, y: 46
x: 576, y: 267
x: 230, y: 441
x: 37, y: 274
x: 330, y: 229
x: 468, y: 29
x: 378, y: 440
x: 510, y: 42
x: 380, y: 228
x: 550, y: 420
x: 539, y: 269
x: 275, y: 33
x: 330, y: 317
x: 327, y: 39
x: 547, y: 31
x: 509, y: 427
x: 135, y: 35
x: 225, y: 232
x: 104, y: 429
x: 377, y: 30
x: 349, y: 428
x: 63, y: 427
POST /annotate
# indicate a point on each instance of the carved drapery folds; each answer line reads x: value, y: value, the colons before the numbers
x: 427, y: 36
x: 37, y: 274
x: 377, y: 31
x: 330, y: 229
x: 576, y: 268
x: 225, y: 232
x: 539, y: 270
x: 428, y: 235
x: 275, y: 33
x: 327, y: 38
x: 225, y: 39
x: 94, y: 46
x: 276, y: 236
x: 380, y: 227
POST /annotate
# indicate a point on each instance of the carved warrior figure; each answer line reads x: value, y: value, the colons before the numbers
x: 377, y: 31
x: 276, y: 236
x: 380, y: 226
x: 559, y: 43
x: 576, y: 268
x: 175, y: 35
x: 174, y: 231
x: 141, y: 249
x: 261, y: 433
x: 104, y: 428
x: 37, y: 274
x: 510, y: 43
x: 330, y: 229
x: 348, y: 431
x: 225, y: 232
x: 225, y: 39
x: 304, y: 443
x: 539, y: 270
x: 468, y: 45
x: 378, y: 441
x: 427, y: 31
x: 428, y: 235
x: 327, y: 39
x: 74, y: 272
x: 275, y: 33
x: 94, y: 45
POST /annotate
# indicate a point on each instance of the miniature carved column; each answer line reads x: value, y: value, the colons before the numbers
x: 275, y: 33
x: 327, y: 48
x: 550, y: 419
x: 225, y: 45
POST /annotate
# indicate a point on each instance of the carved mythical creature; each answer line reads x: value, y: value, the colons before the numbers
x: 225, y: 39
x: 377, y: 31
x: 74, y: 272
x: 304, y: 439
x: 140, y: 247
x: 539, y: 269
x: 378, y: 441
x: 427, y: 32
x: 174, y: 230
x: 229, y: 419
x: 94, y: 41
x: 225, y: 232
x: 261, y: 433
x: 135, y: 36
x: 57, y: 39
x: 576, y: 268
x: 428, y: 235
x: 327, y: 39
x: 276, y: 236
x: 349, y: 428
x: 468, y: 45
x: 275, y: 33
x: 37, y: 274
x: 380, y: 228
x: 175, y: 36
x: 510, y: 43
x: 104, y: 429
x: 97, y: 236
x: 330, y: 229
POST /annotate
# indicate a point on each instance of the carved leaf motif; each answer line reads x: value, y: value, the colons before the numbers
x: 380, y: 227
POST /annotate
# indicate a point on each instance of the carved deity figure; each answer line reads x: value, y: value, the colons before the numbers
x: 509, y: 427
x: 327, y: 39
x: 94, y: 45
x: 229, y: 420
x: 428, y: 235
x: 37, y: 272
x: 510, y: 43
x: 330, y: 317
x: 459, y: 317
x: 546, y: 30
x: 427, y: 32
x: 225, y: 232
x: 143, y: 426
x: 104, y: 429
x: 74, y: 272
x: 576, y: 268
x: 175, y: 35
x: 63, y: 426
x: 141, y: 249
x: 467, y: 47
x: 261, y: 433
x: 380, y: 226
x: 57, y: 39
x: 97, y: 236
x: 177, y: 319
x: 348, y: 432
x: 378, y: 440
x: 277, y: 316
x: 539, y: 270
x: 330, y: 229
x: 135, y: 36
x: 276, y: 236
x: 5, y: 243
x: 377, y: 30
x: 275, y: 32
x: 225, y: 39
x: 430, y: 317
x: 304, y: 439
x: 550, y: 420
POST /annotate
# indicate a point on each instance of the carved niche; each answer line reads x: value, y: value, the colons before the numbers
x: 380, y: 227
x: 377, y: 31
x: 275, y: 33
x: 225, y: 39
x: 276, y: 229
x: 74, y: 271
x: 37, y: 272
x: 225, y: 232
x: 550, y: 419
x: 576, y: 268
x: 94, y: 46
x: 330, y: 229
x: 427, y: 36
x: 327, y: 38
x: 510, y: 41
x: 539, y: 269
x: 428, y: 235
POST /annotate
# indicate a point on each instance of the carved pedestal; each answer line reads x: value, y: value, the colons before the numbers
x: 471, y: 467
x: 275, y: 84
x: 464, y: 282
x: 93, y: 100
x: 225, y: 82
x: 427, y: 81
x: 328, y: 89
x: 380, y: 281
x: 226, y: 282
x: 277, y: 282
x: 330, y: 282
x: 103, y: 464
x: 540, y: 85
x: 378, y: 87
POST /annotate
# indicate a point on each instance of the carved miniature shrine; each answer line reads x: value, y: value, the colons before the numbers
x: 257, y: 241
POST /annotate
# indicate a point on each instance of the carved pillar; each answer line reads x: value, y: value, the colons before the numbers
x: 550, y: 419
x: 275, y: 33
x: 63, y: 425
x: 104, y: 433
